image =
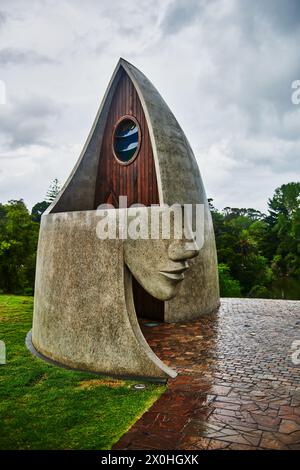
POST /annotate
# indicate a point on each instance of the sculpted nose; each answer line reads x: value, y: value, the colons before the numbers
x: 180, y: 250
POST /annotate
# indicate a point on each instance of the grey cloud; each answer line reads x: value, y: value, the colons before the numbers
x: 13, y: 56
x: 281, y: 14
x: 180, y: 14
x: 26, y: 122
x: 272, y: 153
x: 251, y: 77
x: 3, y: 18
x: 225, y: 67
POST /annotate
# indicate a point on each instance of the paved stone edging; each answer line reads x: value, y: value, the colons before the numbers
x: 237, y: 387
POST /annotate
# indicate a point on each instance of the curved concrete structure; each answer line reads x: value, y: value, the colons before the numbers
x: 84, y: 314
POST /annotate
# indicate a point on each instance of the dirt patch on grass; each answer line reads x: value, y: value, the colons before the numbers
x: 87, y: 384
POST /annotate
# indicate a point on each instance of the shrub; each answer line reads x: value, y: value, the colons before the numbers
x: 229, y: 287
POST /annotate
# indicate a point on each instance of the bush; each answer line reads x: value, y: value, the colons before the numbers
x: 259, y: 292
x: 229, y: 287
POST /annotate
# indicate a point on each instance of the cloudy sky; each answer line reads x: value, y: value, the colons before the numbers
x: 225, y: 67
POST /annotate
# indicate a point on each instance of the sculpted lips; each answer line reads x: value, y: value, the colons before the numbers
x: 176, y: 273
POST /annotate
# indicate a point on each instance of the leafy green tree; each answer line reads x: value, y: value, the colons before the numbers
x: 38, y: 209
x: 229, y: 287
x: 284, y: 221
x: 238, y: 248
x: 262, y: 251
x: 18, y: 243
x: 259, y: 292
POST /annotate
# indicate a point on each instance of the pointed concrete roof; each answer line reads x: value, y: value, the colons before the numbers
x: 177, y: 172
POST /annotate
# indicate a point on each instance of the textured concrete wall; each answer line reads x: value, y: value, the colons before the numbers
x: 179, y: 181
x: 198, y: 293
x: 83, y: 314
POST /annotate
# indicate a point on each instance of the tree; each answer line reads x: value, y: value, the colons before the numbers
x: 229, y: 287
x: 261, y: 251
x: 18, y: 243
x: 284, y: 221
x: 239, y: 239
x: 38, y: 209
x: 53, y: 190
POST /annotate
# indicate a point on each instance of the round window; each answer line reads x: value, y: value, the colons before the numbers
x: 126, y: 140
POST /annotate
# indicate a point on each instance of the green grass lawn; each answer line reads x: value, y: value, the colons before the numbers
x: 47, y: 407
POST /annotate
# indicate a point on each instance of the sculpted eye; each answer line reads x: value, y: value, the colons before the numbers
x: 126, y: 140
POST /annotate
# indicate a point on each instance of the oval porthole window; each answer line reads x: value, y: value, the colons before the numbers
x: 126, y: 140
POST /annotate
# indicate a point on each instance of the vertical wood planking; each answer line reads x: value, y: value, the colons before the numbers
x: 137, y: 180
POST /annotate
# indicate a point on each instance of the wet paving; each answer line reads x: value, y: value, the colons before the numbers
x: 237, y: 385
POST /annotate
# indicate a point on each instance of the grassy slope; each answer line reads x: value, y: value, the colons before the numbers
x: 46, y: 407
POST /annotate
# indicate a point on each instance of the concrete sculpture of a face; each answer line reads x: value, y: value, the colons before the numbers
x: 159, y: 265
x: 91, y: 289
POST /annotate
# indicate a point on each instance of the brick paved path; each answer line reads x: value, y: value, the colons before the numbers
x: 237, y: 387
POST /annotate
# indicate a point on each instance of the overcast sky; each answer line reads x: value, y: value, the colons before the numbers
x: 225, y: 67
